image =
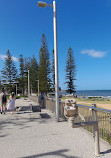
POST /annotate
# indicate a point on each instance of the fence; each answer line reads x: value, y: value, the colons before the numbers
x: 50, y: 105
x: 86, y: 115
x: 103, y: 117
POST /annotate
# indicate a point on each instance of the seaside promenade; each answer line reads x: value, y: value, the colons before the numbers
x: 38, y: 135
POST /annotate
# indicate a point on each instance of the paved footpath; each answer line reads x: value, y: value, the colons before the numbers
x: 28, y: 135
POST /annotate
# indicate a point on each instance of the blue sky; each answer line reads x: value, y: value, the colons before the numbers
x: 85, y: 25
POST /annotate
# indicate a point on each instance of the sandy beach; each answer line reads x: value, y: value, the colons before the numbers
x: 102, y: 105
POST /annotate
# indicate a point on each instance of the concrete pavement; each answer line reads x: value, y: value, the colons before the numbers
x: 38, y: 135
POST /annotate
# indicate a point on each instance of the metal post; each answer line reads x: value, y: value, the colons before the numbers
x: 16, y: 89
x: 31, y: 89
x: 22, y: 91
x: 38, y: 88
x: 56, y: 61
x: 96, y: 133
x: 93, y: 119
x: 28, y: 85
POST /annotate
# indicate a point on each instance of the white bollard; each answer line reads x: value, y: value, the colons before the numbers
x: 71, y: 121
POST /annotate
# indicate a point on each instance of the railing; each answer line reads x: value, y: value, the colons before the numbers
x: 86, y: 115
x: 103, y: 117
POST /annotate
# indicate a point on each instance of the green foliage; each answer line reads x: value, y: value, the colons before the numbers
x: 27, y: 65
x: 33, y: 74
x: 70, y: 71
x: 22, y: 74
x: 9, y: 72
x: 22, y: 68
x: 42, y: 71
x: 44, y: 67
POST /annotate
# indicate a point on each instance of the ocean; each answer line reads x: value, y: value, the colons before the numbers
x: 105, y: 93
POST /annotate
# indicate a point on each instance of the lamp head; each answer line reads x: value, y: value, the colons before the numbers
x: 41, y: 4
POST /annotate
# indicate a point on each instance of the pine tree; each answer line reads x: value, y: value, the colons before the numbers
x: 33, y: 74
x: 44, y: 67
x: 22, y: 74
x: 70, y: 71
x: 31, y: 65
x: 9, y: 72
x: 27, y: 65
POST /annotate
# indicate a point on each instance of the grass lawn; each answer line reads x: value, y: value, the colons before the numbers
x: 88, y: 100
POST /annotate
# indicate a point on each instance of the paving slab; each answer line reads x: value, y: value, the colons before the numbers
x: 32, y: 135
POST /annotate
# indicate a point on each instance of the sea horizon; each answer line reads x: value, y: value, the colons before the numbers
x: 105, y: 93
x: 91, y: 90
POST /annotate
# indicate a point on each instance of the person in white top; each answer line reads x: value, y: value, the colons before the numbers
x: 11, y: 105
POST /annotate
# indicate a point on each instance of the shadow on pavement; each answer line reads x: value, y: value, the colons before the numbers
x: 4, y: 135
x: 54, y: 153
x: 106, y: 152
x: 21, y: 120
x: 45, y: 115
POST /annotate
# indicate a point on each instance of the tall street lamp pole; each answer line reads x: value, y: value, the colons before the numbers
x: 44, y: 4
x: 28, y: 85
x: 16, y: 89
x: 56, y: 60
x: 16, y: 82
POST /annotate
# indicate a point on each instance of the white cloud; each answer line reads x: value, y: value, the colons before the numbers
x: 2, y: 57
x: 15, y: 59
x: 94, y: 53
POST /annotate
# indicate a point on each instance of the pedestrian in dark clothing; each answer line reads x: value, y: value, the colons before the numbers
x: 41, y: 99
x: 3, y: 101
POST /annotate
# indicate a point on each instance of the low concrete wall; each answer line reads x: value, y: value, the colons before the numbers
x: 34, y: 98
x: 49, y: 104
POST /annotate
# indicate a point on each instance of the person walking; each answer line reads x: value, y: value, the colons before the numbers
x: 41, y: 100
x: 3, y: 101
x: 11, y: 105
